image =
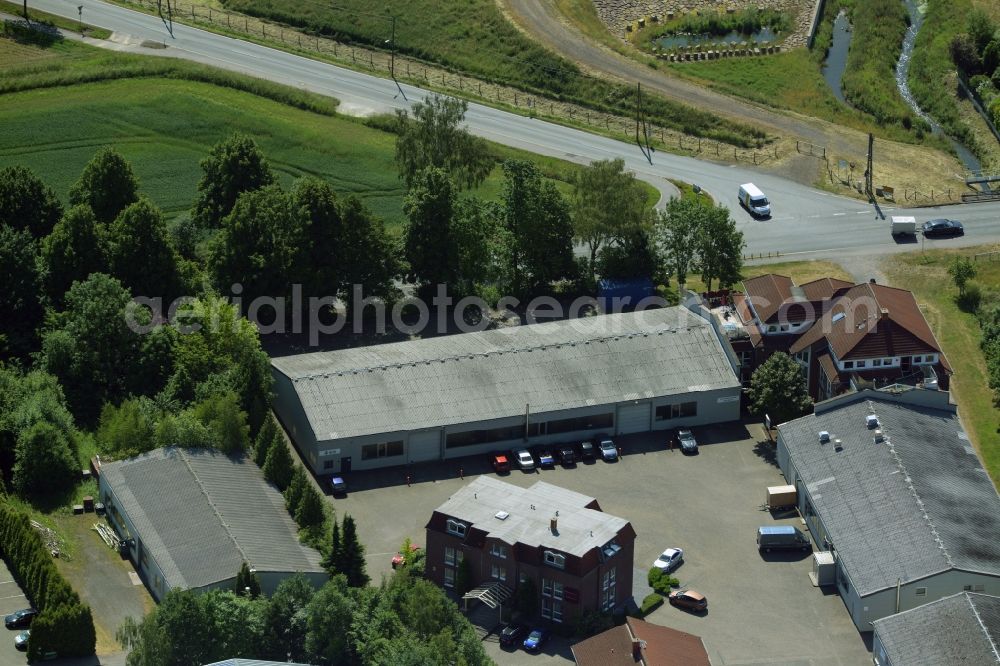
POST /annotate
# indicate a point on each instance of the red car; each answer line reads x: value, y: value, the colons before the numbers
x: 501, y: 465
x: 399, y: 559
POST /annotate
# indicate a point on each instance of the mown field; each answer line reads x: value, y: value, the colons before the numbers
x: 926, y: 274
x: 165, y: 124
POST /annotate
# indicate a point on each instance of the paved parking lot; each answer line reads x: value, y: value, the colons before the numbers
x: 760, y: 611
x: 11, y: 599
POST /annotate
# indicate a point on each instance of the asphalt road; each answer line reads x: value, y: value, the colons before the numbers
x: 807, y: 223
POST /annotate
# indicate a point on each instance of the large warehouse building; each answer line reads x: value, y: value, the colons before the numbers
x: 472, y: 393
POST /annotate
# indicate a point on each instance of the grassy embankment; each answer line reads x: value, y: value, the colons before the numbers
x: 926, y: 274
x: 933, y: 79
x: 35, y: 16
x: 475, y: 38
x: 164, y: 115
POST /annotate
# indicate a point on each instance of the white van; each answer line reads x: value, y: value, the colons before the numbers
x: 754, y: 200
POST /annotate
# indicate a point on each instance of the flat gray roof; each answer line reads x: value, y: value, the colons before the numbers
x: 475, y: 377
x: 915, y: 505
x: 201, y: 514
x: 961, y: 629
x: 530, y: 509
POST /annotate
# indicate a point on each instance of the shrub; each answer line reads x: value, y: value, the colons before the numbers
x: 660, y: 581
x: 970, y: 299
x: 650, y: 604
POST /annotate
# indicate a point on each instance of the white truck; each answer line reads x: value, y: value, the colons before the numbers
x: 903, y: 226
x: 754, y: 200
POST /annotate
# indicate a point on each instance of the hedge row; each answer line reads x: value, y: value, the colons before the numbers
x: 64, y: 625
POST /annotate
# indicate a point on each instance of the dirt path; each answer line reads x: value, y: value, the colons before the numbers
x: 543, y: 23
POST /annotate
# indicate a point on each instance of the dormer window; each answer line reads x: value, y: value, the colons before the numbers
x: 456, y: 528
x: 557, y: 560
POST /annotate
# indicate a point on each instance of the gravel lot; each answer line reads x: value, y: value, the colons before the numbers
x: 760, y: 611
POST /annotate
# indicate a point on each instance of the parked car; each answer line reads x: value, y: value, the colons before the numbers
x: 524, y: 459
x: 586, y: 450
x: 669, y: 559
x: 687, y: 442
x: 21, y: 640
x: 500, y: 463
x: 535, y: 639
x: 608, y: 450
x: 338, y: 485
x: 20, y: 619
x: 545, y: 457
x: 566, y: 455
x: 943, y: 227
x: 688, y: 599
x: 399, y: 559
x: 511, y: 634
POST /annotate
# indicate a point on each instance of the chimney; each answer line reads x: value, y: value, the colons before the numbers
x: 872, y: 281
x: 554, y: 525
x: 636, y: 649
x: 883, y: 313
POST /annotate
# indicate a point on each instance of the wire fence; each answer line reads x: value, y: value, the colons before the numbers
x: 436, y: 77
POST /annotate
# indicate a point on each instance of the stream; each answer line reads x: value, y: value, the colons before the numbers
x: 903, y: 68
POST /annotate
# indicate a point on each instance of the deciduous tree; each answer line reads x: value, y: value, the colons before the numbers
x: 45, y: 461
x: 778, y: 389
x: 233, y: 166
x: 21, y: 310
x: 26, y: 202
x: 429, y: 243
x: 720, y: 248
x: 107, y: 185
x: 433, y: 137
x: 73, y: 251
x: 141, y: 254
x: 609, y: 206
x: 961, y: 271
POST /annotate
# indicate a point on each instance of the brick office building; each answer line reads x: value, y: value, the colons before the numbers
x: 579, y: 557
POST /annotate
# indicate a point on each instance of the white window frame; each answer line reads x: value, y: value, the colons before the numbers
x: 553, y: 559
x: 453, y: 556
x: 848, y: 365
x: 449, y: 577
x: 860, y: 364
x: 918, y: 358
x: 498, y: 572
x: 456, y: 528
x: 496, y: 550
x: 547, y: 587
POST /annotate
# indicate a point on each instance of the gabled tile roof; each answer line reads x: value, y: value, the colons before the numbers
x: 660, y: 646
x: 872, y: 320
x: 767, y: 293
x: 824, y: 288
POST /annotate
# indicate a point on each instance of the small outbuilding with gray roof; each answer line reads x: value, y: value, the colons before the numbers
x: 192, y: 517
x: 890, y: 485
x: 472, y: 393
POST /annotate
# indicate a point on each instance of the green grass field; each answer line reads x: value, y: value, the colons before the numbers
x: 926, y: 274
x: 165, y: 126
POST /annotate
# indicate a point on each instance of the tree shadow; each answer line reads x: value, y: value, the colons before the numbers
x: 767, y: 452
x: 34, y: 33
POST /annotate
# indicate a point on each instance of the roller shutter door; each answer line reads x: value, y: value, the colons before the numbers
x: 632, y: 418
x: 424, y: 446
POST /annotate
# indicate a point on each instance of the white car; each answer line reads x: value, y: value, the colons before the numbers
x: 524, y: 459
x: 608, y: 450
x: 669, y: 559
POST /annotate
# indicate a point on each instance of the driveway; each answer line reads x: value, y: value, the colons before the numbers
x: 760, y: 611
x: 11, y: 599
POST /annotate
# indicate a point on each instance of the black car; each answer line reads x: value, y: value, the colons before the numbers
x: 20, y: 619
x: 586, y: 450
x: 566, y: 454
x: 943, y: 227
x: 512, y: 634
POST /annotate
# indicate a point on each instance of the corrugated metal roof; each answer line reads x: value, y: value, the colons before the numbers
x: 529, y: 510
x: 201, y: 514
x: 493, y: 374
x: 961, y: 629
x: 917, y: 504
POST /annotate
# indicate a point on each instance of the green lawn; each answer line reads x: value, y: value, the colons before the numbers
x: 165, y: 126
x: 926, y: 274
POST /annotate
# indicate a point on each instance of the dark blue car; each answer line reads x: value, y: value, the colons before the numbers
x: 535, y: 639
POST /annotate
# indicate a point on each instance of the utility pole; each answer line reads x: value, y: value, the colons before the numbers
x: 868, y: 172
x: 392, y: 48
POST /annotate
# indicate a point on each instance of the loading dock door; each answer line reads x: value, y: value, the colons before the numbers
x: 632, y: 418
x: 424, y: 446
